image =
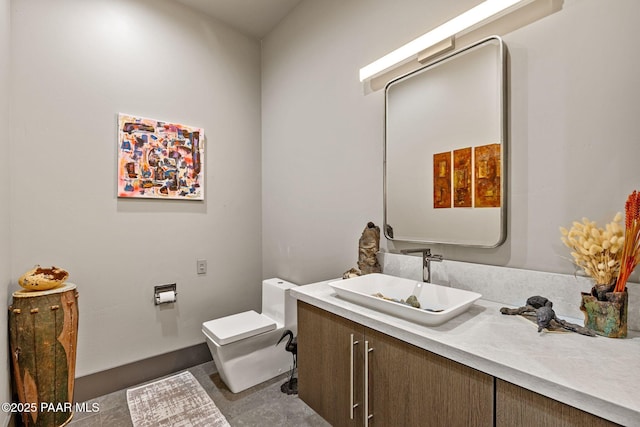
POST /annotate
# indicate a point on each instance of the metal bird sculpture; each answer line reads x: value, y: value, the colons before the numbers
x: 291, y: 386
x: 292, y: 343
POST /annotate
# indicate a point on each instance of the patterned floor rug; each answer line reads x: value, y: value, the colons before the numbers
x: 177, y: 401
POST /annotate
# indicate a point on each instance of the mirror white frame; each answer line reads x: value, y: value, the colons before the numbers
x: 445, y: 145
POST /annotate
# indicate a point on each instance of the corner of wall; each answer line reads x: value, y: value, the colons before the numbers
x: 5, y: 273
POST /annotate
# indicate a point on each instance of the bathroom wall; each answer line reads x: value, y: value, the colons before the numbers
x: 573, y: 128
x: 76, y: 64
x: 5, y: 178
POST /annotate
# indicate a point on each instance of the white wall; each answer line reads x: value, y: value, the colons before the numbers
x: 76, y: 64
x: 5, y: 177
x: 574, y: 127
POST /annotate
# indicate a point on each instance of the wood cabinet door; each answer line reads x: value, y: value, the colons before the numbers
x: 516, y: 406
x: 328, y: 379
x: 409, y: 386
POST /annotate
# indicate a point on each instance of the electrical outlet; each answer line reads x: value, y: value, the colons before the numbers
x: 201, y: 266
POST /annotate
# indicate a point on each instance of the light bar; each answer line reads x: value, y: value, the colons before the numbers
x: 472, y: 17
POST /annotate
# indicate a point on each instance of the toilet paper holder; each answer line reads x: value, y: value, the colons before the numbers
x: 164, y: 294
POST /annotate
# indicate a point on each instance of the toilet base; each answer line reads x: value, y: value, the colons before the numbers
x: 251, y: 361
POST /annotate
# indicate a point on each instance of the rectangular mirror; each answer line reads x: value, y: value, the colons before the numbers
x: 446, y: 150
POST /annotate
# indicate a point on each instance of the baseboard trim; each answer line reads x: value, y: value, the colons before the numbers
x: 105, y: 382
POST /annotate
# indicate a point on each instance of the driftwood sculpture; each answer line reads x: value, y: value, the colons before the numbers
x: 368, y: 247
x: 545, y: 316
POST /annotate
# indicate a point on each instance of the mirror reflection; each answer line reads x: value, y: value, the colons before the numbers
x: 445, y: 150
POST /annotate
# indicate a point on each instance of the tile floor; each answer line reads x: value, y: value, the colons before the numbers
x: 263, y: 405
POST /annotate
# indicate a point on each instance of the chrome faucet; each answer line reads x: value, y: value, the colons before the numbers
x: 427, y: 257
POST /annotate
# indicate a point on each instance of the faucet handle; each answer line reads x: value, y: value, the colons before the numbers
x: 434, y: 257
x: 426, y: 252
x: 427, y: 257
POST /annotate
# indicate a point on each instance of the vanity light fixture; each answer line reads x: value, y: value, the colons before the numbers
x: 474, y: 16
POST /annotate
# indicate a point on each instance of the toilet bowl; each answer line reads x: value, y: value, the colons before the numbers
x: 243, y: 345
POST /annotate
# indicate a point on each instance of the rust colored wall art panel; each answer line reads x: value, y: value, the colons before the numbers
x: 487, y: 176
x: 462, y: 178
x: 442, y: 180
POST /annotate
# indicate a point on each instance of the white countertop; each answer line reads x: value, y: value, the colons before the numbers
x: 598, y: 375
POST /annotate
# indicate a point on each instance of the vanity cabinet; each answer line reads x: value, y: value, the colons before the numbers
x: 516, y: 406
x: 354, y: 375
x: 327, y: 379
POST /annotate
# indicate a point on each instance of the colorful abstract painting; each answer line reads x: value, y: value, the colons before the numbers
x: 159, y: 159
x: 487, y: 176
x: 462, y: 178
x: 442, y: 180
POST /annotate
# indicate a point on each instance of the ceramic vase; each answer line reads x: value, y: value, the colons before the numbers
x: 606, y: 315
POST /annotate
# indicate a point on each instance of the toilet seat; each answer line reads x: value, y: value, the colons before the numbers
x: 237, y: 326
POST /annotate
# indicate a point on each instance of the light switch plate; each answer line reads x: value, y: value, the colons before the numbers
x: 201, y: 266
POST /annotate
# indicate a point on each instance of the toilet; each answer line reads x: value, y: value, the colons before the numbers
x: 243, y: 345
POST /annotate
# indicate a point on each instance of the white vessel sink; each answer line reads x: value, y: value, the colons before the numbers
x: 438, y: 304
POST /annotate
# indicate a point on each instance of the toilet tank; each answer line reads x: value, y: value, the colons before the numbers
x: 277, y: 303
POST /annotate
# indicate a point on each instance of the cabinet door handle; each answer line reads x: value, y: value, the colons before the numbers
x: 352, y: 406
x: 367, y: 416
